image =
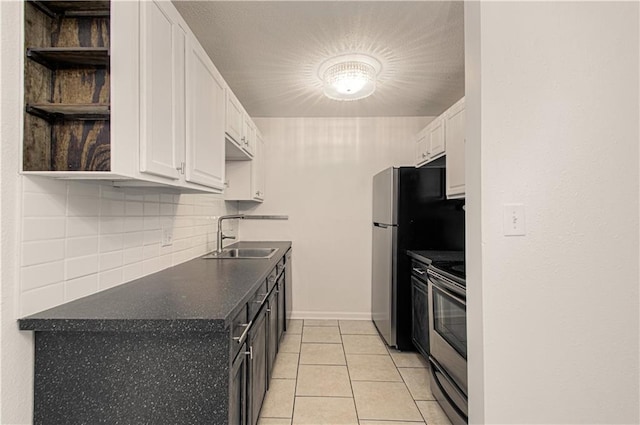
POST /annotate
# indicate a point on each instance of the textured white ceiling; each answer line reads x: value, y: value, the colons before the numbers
x: 269, y: 53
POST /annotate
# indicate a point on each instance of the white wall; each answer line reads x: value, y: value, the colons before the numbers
x: 554, y: 96
x: 63, y: 240
x: 319, y: 172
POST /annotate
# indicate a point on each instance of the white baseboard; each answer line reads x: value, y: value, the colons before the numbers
x: 330, y: 315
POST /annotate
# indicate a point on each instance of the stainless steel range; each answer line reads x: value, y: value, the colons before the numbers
x: 448, y: 337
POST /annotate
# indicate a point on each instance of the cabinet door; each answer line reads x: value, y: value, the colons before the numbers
x: 281, y: 324
x: 249, y: 135
x: 258, y: 365
x: 272, y: 344
x: 234, y: 117
x: 421, y: 148
x: 258, y: 169
x: 162, y: 90
x: 455, y: 135
x: 288, y: 288
x: 420, y: 315
x: 238, y: 389
x: 205, y: 119
x: 436, y: 139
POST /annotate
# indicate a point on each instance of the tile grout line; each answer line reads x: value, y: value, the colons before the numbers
x: 353, y: 394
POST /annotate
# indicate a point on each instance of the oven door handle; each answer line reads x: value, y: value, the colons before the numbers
x: 443, y: 283
x: 447, y: 292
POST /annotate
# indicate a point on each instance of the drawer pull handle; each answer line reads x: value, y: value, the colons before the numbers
x: 249, y: 353
x: 240, y: 339
x: 263, y: 300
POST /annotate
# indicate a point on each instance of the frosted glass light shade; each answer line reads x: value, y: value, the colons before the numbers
x: 349, y: 77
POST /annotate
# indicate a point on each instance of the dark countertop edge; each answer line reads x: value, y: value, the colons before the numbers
x: 121, y: 325
x: 31, y: 323
x: 419, y: 254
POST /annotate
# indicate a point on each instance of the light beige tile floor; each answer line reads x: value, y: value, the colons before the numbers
x: 340, y: 372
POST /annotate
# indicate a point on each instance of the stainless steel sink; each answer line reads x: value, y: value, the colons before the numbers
x: 242, y: 254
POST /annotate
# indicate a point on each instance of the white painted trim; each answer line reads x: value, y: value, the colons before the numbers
x: 330, y: 315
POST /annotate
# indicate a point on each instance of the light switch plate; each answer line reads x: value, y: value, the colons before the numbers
x: 514, y: 220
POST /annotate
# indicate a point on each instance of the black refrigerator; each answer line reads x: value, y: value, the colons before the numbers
x: 410, y: 211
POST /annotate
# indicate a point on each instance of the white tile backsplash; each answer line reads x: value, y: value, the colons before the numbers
x: 42, y: 275
x: 81, y: 266
x: 110, y: 260
x: 81, y: 226
x: 44, y: 204
x: 45, y: 251
x: 42, y: 228
x: 79, y: 238
x: 80, y: 287
x: 78, y: 247
x: 110, y: 243
x: 82, y: 206
x: 111, y: 278
x: 42, y: 298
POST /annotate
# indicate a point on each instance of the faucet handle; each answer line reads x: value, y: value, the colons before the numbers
x: 223, y: 236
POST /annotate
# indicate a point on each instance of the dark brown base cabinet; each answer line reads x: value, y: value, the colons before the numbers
x: 272, y: 318
x: 253, y: 364
x: 257, y: 365
x: 281, y: 303
x: 238, y: 388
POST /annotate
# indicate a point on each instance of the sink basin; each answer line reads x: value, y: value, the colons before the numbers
x: 242, y: 254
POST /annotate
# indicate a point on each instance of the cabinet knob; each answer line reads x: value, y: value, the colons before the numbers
x: 424, y: 155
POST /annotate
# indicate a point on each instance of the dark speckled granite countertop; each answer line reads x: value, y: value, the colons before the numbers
x: 197, y: 296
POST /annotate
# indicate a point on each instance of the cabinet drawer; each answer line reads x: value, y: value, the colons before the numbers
x: 258, y: 300
x: 271, y: 279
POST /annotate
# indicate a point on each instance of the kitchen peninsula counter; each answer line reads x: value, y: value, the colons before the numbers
x: 198, y: 295
x: 157, y: 350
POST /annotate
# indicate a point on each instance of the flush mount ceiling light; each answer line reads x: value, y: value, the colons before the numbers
x: 349, y: 77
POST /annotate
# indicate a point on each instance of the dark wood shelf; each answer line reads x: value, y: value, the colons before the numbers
x: 55, y: 112
x: 70, y: 57
x: 71, y: 8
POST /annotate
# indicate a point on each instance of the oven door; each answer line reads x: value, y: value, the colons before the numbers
x: 448, y: 327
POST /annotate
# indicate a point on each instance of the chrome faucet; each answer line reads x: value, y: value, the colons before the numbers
x: 222, y: 236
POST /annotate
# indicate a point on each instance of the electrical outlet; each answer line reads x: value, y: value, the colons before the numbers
x: 513, y: 220
x: 167, y: 236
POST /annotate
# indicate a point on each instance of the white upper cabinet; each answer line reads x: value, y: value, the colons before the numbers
x: 455, y: 136
x: 259, y: 171
x: 246, y: 179
x: 249, y: 135
x: 445, y: 135
x: 436, y: 137
x: 235, y: 118
x: 205, y: 115
x: 158, y: 117
x: 422, y: 147
x: 430, y: 142
x: 162, y: 90
x: 240, y: 130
